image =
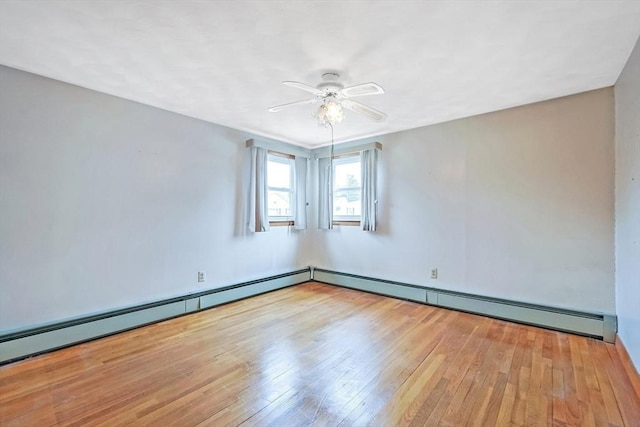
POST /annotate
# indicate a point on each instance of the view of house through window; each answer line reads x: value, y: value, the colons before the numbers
x: 346, y: 189
x: 280, y: 187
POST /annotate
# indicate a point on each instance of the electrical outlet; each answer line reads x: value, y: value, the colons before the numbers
x: 202, y: 276
x: 434, y: 273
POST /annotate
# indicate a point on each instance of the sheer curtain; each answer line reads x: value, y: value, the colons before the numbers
x: 325, y: 194
x: 257, y: 203
x: 300, y: 203
x: 368, y: 164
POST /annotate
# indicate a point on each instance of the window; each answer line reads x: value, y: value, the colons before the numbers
x: 347, y: 205
x: 280, y: 186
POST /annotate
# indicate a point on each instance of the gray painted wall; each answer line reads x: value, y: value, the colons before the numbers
x: 516, y: 204
x: 627, y: 93
x: 108, y: 203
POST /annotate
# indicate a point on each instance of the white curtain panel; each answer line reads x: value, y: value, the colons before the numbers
x: 368, y: 163
x: 257, y: 203
x: 300, y: 204
x: 325, y: 194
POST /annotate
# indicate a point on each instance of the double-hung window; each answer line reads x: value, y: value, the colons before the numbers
x: 347, y: 189
x: 280, y: 187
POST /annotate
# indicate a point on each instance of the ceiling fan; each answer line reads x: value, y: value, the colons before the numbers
x: 333, y: 96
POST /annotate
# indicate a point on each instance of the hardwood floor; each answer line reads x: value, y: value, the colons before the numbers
x: 321, y: 355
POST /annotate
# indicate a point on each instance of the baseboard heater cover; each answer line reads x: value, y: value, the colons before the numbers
x: 597, y: 325
x: 19, y: 344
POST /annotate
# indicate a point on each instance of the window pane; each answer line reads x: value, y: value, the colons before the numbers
x: 279, y: 203
x: 347, y: 174
x: 279, y: 174
x: 346, y: 194
x: 279, y: 182
x: 347, y: 202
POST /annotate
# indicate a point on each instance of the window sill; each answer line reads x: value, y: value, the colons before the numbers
x: 347, y: 223
x: 280, y: 223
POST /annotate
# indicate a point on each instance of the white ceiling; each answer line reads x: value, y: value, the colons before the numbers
x: 223, y: 61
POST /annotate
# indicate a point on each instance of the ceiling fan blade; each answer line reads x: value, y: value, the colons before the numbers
x: 306, y: 87
x: 370, y: 112
x: 361, y: 90
x: 292, y: 104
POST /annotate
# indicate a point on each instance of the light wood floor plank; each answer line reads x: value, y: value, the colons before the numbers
x: 320, y: 355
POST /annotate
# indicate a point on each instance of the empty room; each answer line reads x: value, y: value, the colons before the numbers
x: 327, y: 213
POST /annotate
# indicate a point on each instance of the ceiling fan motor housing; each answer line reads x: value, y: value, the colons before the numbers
x: 330, y: 85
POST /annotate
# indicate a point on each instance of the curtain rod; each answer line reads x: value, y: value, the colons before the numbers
x: 281, y: 147
x: 340, y: 149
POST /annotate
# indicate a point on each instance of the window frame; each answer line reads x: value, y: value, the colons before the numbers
x: 348, y: 220
x: 274, y: 156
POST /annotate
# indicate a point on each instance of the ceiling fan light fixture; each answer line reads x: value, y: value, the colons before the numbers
x: 330, y: 113
x: 334, y: 97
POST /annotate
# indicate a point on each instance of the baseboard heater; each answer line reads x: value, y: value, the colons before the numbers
x: 597, y: 325
x: 18, y: 344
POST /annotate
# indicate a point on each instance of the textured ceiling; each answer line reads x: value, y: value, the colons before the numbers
x: 223, y: 61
